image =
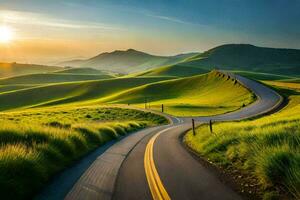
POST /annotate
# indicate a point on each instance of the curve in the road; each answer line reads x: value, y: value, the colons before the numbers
x: 156, y: 166
x: 189, y: 180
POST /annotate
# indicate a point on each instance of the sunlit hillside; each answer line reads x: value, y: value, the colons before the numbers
x: 195, y: 95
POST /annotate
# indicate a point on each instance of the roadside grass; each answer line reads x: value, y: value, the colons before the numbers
x: 189, y: 96
x: 267, y: 149
x: 75, y: 114
x: 36, y: 144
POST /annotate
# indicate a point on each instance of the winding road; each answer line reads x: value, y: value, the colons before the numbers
x: 153, y: 164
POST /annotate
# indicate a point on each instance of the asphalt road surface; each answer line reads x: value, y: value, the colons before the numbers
x: 153, y: 164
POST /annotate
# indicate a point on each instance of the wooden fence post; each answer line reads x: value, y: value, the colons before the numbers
x: 193, y: 125
x: 210, y: 126
x: 162, y: 108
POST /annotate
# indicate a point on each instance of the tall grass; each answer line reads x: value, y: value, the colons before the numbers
x: 31, y: 153
x: 267, y: 148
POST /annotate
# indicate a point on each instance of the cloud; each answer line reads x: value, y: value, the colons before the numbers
x: 29, y: 18
x: 172, y: 19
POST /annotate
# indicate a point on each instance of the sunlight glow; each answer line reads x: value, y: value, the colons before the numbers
x: 6, y: 34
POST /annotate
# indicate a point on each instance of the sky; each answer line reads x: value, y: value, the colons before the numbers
x: 44, y: 31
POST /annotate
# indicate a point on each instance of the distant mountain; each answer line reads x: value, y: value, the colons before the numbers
x: 127, y: 61
x: 249, y: 58
x: 16, y: 69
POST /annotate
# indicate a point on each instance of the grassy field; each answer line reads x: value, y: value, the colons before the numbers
x: 17, y: 69
x: 82, y: 70
x: 267, y: 149
x: 190, y: 96
x: 13, y: 87
x: 173, y: 71
x: 37, y: 143
x: 14, y: 83
x: 51, y: 78
x: 69, y: 92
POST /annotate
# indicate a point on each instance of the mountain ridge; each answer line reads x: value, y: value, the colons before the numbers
x: 127, y: 61
x: 249, y: 57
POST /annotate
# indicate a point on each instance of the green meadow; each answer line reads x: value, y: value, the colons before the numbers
x: 181, y: 96
x: 266, y: 150
x: 38, y: 143
x: 69, y: 92
x: 189, y: 96
x: 178, y: 70
x: 51, y: 119
x: 51, y: 78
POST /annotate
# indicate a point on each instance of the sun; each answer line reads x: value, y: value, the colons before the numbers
x: 6, y: 34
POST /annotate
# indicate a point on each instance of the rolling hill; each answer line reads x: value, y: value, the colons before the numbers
x: 16, y: 69
x: 173, y: 71
x: 51, y: 78
x: 126, y: 61
x: 195, y: 95
x: 242, y: 57
x: 183, y: 96
x: 249, y: 58
x: 8, y: 88
x: 82, y: 70
x: 69, y: 92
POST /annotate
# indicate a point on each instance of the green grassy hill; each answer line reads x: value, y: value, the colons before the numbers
x: 69, y: 92
x: 8, y: 88
x: 173, y: 71
x: 36, y: 144
x: 127, y: 61
x: 16, y: 69
x: 82, y: 70
x: 196, y: 95
x: 249, y: 58
x: 51, y: 78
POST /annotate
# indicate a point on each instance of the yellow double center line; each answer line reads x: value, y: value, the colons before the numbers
x: 156, y: 187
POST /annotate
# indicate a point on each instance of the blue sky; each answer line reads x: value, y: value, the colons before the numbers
x: 60, y: 29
